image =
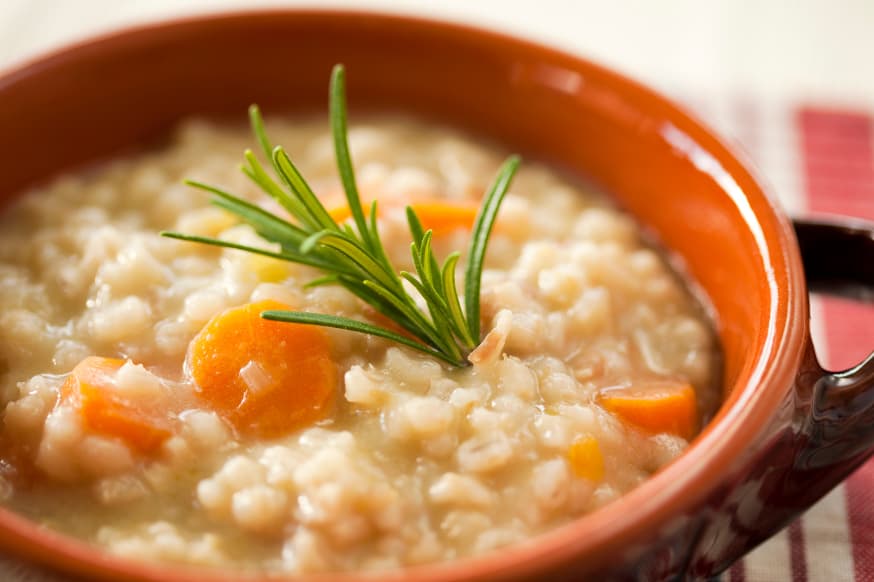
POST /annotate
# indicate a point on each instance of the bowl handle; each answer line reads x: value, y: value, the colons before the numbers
x: 838, y: 258
x: 825, y: 436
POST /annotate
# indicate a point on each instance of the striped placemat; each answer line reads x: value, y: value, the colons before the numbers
x: 816, y: 160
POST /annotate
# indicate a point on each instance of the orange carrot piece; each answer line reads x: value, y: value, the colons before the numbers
x: 441, y: 216
x: 586, y: 459
x: 656, y: 407
x: 266, y: 378
x: 104, y: 411
x: 340, y: 213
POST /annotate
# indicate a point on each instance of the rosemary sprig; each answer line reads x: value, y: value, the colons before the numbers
x: 355, y: 257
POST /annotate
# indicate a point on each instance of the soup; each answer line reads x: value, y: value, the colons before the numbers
x: 136, y: 416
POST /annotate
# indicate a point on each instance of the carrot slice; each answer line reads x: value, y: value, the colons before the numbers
x: 89, y: 387
x: 657, y: 407
x: 586, y: 459
x: 340, y: 213
x: 441, y: 216
x: 266, y: 378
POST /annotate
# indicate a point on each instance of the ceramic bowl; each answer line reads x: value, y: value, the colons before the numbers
x: 787, y: 431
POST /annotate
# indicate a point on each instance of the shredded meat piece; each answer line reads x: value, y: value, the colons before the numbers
x: 490, y: 349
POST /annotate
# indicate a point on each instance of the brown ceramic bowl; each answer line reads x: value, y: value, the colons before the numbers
x: 787, y: 431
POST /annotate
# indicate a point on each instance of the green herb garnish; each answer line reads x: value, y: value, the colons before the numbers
x: 355, y: 257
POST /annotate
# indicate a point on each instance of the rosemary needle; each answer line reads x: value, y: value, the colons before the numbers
x: 355, y: 257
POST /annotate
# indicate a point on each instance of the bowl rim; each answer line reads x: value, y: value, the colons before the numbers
x: 719, y: 449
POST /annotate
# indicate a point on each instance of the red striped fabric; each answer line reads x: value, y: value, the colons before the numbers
x: 838, y: 150
x: 737, y: 572
x: 860, y: 502
x: 797, y: 552
x: 818, y: 161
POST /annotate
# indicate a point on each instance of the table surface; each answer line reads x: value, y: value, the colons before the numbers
x: 778, y: 78
x: 763, y: 47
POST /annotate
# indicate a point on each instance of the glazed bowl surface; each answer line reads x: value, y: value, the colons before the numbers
x: 734, y: 486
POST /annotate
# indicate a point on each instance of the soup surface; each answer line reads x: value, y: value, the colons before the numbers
x: 149, y: 410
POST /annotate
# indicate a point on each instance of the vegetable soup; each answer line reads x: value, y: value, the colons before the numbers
x: 150, y: 408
